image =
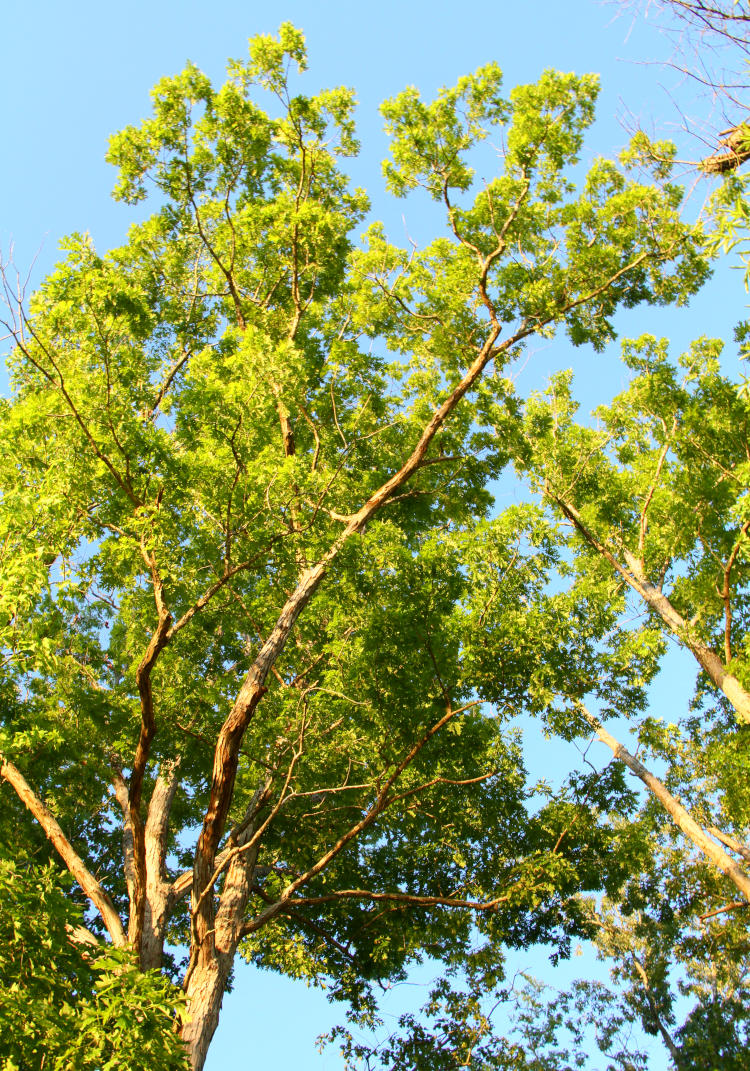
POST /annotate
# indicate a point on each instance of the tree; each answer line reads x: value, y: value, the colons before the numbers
x: 656, y: 494
x: 244, y: 487
x: 670, y: 926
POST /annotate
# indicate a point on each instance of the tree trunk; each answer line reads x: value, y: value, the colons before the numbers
x: 205, y: 992
x: 707, y: 659
x: 635, y: 577
x: 159, y: 894
x: 213, y: 958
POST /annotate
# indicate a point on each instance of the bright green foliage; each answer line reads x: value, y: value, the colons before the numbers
x: 196, y: 418
x: 656, y: 489
x: 731, y: 215
x: 65, y: 1003
x: 660, y: 487
x: 531, y: 645
x: 655, y: 494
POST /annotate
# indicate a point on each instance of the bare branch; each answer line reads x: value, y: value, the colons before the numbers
x: 734, y: 906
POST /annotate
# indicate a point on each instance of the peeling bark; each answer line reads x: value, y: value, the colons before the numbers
x: 159, y: 899
x: 211, y: 960
x: 128, y: 851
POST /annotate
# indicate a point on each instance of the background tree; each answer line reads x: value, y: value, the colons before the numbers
x: 656, y: 493
x: 672, y: 925
x: 245, y: 479
x: 653, y: 496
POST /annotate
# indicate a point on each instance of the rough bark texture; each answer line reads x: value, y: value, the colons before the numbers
x: 211, y: 961
x: 157, y: 643
x: 205, y: 992
x: 128, y: 850
x: 159, y: 896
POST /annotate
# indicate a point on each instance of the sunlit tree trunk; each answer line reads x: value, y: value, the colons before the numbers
x: 211, y: 960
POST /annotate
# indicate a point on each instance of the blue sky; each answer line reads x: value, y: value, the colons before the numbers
x: 75, y: 73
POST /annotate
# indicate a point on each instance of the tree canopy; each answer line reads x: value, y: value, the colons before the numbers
x: 266, y: 635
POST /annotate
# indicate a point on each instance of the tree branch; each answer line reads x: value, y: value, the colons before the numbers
x: 226, y: 752
x: 634, y: 576
x: 392, y: 897
x: 679, y: 815
x: 88, y: 883
x: 666, y: 1036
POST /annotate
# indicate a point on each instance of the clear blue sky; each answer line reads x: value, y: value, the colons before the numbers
x: 74, y: 73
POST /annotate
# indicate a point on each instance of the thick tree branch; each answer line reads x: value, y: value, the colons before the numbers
x: 730, y: 842
x: 88, y: 883
x: 679, y: 815
x: 734, y: 906
x: 159, y: 900
x: 128, y: 847
x: 253, y: 688
x: 412, y: 899
x: 633, y: 575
